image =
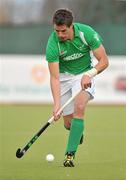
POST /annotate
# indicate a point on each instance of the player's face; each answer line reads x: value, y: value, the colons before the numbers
x: 64, y: 32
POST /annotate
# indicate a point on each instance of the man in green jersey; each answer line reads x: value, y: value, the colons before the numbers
x: 70, y: 65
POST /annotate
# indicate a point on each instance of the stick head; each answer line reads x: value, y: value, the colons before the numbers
x: 19, y: 153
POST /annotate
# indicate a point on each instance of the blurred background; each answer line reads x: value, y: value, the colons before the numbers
x: 25, y: 26
x: 26, y: 100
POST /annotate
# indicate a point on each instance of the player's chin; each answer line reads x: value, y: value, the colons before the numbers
x: 63, y: 39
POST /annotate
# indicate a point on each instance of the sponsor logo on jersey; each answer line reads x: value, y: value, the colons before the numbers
x: 73, y: 56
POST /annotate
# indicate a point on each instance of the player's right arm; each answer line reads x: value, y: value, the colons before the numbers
x: 52, y: 56
x: 55, y: 87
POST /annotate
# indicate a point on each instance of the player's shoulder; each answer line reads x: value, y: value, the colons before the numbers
x: 52, y: 40
x: 52, y: 37
x: 83, y: 27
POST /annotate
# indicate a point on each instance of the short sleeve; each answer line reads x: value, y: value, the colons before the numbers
x: 52, y: 53
x: 93, y: 38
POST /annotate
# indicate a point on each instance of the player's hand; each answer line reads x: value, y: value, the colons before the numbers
x: 85, y: 82
x: 56, y: 113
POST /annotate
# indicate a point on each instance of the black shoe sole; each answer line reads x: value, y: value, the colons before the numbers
x: 68, y: 164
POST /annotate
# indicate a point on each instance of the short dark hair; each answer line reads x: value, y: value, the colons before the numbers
x: 63, y: 16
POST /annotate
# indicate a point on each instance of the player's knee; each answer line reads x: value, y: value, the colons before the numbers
x: 79, y: 110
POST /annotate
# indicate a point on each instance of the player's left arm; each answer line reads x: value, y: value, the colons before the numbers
x: 101, y: 56
x: 102, y: 64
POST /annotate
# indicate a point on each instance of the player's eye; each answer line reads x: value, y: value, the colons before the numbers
x: 60, y: 31
x: 64, y: 30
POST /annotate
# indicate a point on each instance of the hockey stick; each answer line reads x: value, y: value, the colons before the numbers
x: 21, y: 152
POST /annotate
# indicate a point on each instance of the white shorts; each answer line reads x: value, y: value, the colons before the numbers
x: 70, y: 84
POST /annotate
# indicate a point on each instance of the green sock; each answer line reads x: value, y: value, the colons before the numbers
x: 76, y: 130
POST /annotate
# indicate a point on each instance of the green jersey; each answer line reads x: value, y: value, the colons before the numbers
x: 73, y: 55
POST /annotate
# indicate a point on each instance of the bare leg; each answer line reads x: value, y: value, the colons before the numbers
x: 80, y: 104
x: 67, y: 120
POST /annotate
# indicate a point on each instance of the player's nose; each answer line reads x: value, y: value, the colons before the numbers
x: 60, y: 34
